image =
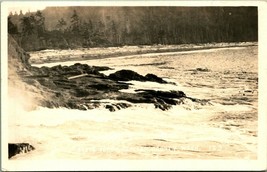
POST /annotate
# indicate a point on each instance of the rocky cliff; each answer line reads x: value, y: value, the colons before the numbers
x: 21, y: 94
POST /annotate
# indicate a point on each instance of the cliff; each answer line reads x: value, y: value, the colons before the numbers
x: 20, y: 93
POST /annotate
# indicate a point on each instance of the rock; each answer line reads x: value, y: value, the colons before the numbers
x: 109, y: 86
x: 195, y: 71
x: 92, y: 105
x: 126, y: 75
x: 202, y: 69
x: 154, y: 78
x: 161, y: 99
x: 110, y: 108
x: 123, y: 105
x: 18, y: 148
x: 117, y: 106
x: 161, y: 94
x: 81, y: 92
x: 162, y: 106
x: 18, y: 59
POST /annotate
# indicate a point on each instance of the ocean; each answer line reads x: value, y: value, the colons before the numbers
x: 225, y: 128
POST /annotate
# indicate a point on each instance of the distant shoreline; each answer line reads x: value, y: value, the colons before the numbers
x: 82, y: 54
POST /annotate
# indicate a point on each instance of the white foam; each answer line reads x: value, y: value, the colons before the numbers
x: 184, y: 131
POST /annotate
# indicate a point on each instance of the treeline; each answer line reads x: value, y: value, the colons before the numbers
x: 73, y: 27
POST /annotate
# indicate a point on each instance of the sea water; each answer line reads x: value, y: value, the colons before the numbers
x: 226, y: 128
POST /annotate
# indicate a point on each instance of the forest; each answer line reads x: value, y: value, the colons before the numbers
x: 84, y: 27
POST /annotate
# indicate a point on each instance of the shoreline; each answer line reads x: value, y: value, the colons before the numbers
x: 52, y: 56
x: 79, y: 88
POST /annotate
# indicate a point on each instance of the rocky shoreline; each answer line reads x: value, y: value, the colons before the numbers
x: 82, y: 87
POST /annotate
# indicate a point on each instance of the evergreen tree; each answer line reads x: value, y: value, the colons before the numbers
x: 61, y: 25
x: 39, y: 23
x: 75, y: 23
x: 12, y: 28
x: 27, y: 24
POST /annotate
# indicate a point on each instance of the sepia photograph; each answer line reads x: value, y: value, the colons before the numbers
x: 118, y: 82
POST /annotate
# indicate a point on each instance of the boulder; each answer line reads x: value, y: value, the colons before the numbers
x: 155, y: 78
x: 126, y: 75
x: 18, y: 148
x: 161, y: 99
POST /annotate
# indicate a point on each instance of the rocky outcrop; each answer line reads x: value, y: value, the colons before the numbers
x: 28, y: 95
x: 18, y: 59
x: 128, y: 75
x: 80, y: 86
x: 18, y: 148
x: 161, y: 99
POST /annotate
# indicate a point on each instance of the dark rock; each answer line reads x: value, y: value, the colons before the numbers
x: 123, y: 105
x: 82, y: 107
x: 162, y: 106
x: 47, y: 82
x: 195, y: 71
x: 77, y: 93
x: 71, y: 105
x: 117, y: 106
x: 154, y: 78
x: 110, y: 108
x: 161, y: 99
x: 92, y: 105
x: 161, y: 94
x: 64, y: 83
x: 202, y: 69
x: 18, y: 148
x: 81, y: 92
x: 169, y: 101
x: 126, y: 75
x: 57, y: 69
x: 44, y: 71
x: 109, y: 86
